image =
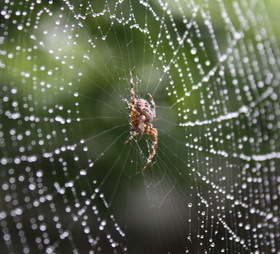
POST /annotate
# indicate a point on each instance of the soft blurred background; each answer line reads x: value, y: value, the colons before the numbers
x: 70, y: 185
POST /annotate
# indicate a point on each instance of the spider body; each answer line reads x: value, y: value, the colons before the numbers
x: 141, y: 113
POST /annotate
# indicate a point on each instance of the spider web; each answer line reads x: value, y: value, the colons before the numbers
x: 68, y: 182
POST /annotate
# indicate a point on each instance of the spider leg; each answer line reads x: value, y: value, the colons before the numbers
x: 153, y: 105
x: 152, y: 100
x: 127, y: 102
x: 132, y: 135
x: 132, y: 92
x: 151, y: 131
x: 131, y: 106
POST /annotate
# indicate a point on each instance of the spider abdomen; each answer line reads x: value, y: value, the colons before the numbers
x: 144, y: 108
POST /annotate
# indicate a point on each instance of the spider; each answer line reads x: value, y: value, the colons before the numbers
x: 141, y: 113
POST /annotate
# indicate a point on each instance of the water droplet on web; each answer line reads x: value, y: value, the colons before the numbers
x: 20, y: 27
x: 193, y: 51
x: 83, y: 172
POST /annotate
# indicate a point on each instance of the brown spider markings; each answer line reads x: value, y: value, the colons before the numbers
x: 141, y: 112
